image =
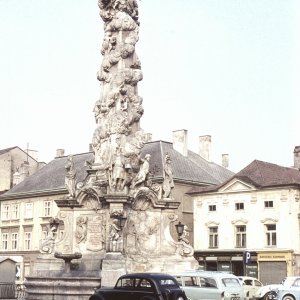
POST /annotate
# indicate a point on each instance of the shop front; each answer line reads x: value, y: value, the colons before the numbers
x: 229, y: 261
x: 274, y: 266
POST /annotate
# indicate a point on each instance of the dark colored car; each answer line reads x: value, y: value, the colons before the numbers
x: 142, y: 286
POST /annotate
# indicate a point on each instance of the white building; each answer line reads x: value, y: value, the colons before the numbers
x: 256, y: 211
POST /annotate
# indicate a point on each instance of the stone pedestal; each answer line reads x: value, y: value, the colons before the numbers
x: 60, y: 287
x: 113, y: 266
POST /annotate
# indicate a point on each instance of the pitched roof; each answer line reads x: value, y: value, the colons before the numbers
x: 191, y: 169
x: 264, y: 174
x: 261, y: 175
x: 2, y: 151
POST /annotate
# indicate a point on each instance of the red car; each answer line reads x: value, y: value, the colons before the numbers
x: 142, y: 286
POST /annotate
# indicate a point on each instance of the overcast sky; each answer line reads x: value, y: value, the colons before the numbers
x: 227, y: 68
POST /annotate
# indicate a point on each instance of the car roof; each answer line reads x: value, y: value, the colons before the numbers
x: 247, y: 277
x: 147, y: 275
x: 204, y: 273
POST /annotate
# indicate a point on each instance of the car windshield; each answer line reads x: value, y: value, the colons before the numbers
x: 231, y: 282
x: 289, y: 281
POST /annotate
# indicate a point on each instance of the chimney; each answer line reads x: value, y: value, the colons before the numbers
x: 148, y: 137
x: 180, y: 141
x: 24, y: 172
x: 225, y: 160
x: 16, y: 178
x: 297, y: 157
x: 60, y: 152
x: 204, y: 146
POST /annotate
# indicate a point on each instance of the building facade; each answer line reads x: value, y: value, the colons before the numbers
x: 250, y: 224
x: 16, y: 165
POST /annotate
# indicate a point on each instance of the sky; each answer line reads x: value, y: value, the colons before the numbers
x: 225, y: 68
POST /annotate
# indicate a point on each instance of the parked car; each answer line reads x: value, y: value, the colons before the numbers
x: 266, y: 292
x: 207, y: 285
x: 142, y: 286
x: 251, y: 285
x: 290, y: 290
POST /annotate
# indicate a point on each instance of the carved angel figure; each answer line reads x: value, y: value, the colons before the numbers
x: 114, y: 233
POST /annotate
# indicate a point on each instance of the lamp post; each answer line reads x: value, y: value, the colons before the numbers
x: 179, y: 229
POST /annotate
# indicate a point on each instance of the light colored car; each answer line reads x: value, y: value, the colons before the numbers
x: 251, y: 285
x: 206, y: 285
x: 290, y: 290
x: 266, y: 292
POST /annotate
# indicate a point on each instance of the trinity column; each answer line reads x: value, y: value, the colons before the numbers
x: 117, y: 220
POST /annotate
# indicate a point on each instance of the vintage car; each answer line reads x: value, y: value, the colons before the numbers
x: 142, y: 286
x: 251, y: 285
x: 207, y: 285
x: 267, y: 292
x: 288, y: 291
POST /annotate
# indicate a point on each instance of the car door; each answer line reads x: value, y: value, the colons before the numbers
x: 256, y: 286
x: 143, y: 288
x: 249, y: 288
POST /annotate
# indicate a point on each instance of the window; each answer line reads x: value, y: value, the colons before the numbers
x: 212, y: 207
x: 5, y: 212
x: 213, y: 237
x: 231, y: 282
x: 239, y: 206
x: 4, y: 241
x: 28, y: 211
x: 208, y: 282
x: 144, y: 284
x: 269, y: 204
x: 240, y: 236
x: 27, y: 240
x: 14, y: 241
x: 47, y: 208
x: 257, y: 283
x: 248, y: 282
x: 271, y: 234
x: 15, y: 211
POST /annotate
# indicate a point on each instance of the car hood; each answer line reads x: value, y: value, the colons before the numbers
x: 267, y: 288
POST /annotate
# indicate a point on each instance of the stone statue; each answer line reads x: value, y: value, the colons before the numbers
x: 70, y: 179
x: 114, y: 232
x: 118, y: 172
x: 168, y: 183
x: 144, y: 170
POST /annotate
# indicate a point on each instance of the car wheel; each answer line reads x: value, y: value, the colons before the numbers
x: 178, y: 296
x: 288, y: 297
x: 269, y: 296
